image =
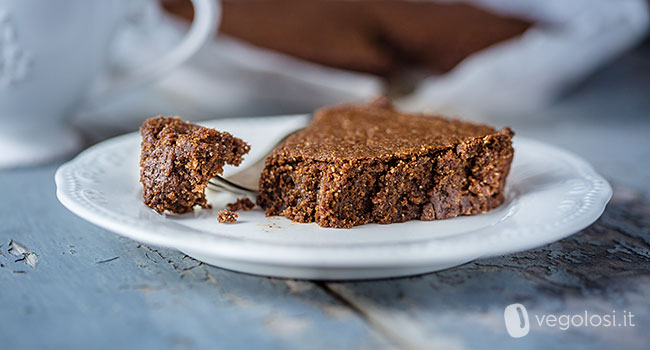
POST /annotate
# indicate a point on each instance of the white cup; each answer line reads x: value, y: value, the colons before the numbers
x: 51, y: 53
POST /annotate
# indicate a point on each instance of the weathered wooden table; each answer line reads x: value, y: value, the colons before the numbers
x: 92, y: 289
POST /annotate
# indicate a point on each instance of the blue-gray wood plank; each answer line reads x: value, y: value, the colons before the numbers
x: 95, y: 290
x: 154, y: 298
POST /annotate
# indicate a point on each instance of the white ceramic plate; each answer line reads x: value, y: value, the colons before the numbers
x: 550, y: 194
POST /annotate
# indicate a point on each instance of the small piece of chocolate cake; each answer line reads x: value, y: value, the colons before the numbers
x: 177, y: 160
x: 227, y: 217
x: 242, y: 203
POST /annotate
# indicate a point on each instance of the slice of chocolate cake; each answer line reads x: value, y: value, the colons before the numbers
x: 177, y: 160
x: 357, y: 164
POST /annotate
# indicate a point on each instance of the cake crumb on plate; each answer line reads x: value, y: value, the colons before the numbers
x: 227, y: 216
x: 243, y: 203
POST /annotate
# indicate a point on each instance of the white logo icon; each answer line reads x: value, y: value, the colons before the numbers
x: 516, y: 318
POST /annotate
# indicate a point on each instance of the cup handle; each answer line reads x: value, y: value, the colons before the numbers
x: 207, y: 14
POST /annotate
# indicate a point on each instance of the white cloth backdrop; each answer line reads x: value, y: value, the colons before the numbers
x: 231, y: 78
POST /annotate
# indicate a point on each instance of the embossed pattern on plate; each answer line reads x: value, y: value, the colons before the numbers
x: 550, y: 194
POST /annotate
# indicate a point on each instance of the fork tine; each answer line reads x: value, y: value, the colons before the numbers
x: 219, y: 183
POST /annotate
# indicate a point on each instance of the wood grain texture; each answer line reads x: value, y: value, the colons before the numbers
x: 94, y: 289
x: 605, y: 267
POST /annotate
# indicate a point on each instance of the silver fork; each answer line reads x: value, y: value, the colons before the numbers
x: 246, y: 180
